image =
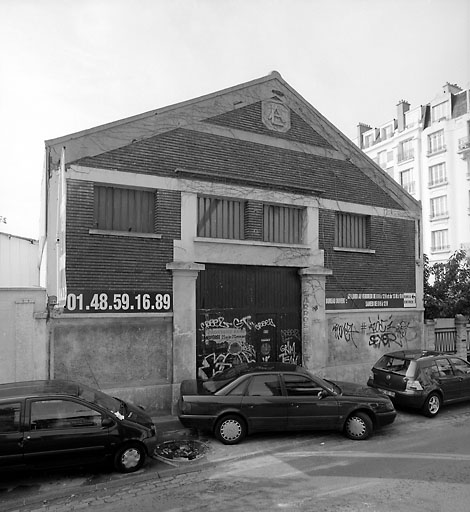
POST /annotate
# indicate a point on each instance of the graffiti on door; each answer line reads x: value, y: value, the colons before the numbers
x: 290, y: 342
x: 226, y: 341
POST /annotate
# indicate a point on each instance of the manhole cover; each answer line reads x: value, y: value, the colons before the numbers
x: 183, y: 450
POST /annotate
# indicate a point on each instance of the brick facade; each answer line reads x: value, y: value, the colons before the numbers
x: 110, y: 262
x: 222, y: 147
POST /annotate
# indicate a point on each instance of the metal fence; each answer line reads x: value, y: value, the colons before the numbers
x: 446, y: 338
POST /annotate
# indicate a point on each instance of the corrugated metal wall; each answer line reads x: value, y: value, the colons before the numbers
x: 18, y: 262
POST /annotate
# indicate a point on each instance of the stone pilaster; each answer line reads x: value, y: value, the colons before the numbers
x: 461, y: 336
x: 429, y: 335
x: 314, y: 323
x: 184, y: 322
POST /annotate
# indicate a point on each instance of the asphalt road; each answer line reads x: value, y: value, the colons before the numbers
x: 416, y: 464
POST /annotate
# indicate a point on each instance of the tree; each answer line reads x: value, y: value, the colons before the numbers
x: 447, y: 287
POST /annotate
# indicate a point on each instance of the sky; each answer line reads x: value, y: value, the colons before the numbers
x: 70, y: 65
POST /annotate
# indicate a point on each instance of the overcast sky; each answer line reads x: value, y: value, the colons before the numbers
x: 69, y: 65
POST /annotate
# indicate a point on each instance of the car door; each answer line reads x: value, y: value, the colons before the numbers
x: 63, y: 432
x: 462, y: 373
x: 263, y: 404
x: 11, y: 434
x: 310, y: 406
x: 447, y: 380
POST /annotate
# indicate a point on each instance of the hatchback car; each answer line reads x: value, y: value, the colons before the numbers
x: 61, y: 423
x: 422, y: 380
x: 280, y: 397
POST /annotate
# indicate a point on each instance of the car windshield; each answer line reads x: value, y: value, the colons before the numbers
x: 99, y: 398
x: 393, y: 364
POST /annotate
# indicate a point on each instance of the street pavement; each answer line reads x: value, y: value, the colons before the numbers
x: 76, y: 490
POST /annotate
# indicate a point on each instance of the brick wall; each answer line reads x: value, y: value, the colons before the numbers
x: 390, y: 269
x: 111, y: 262
x: 253, y: 220
x: 222, y: 156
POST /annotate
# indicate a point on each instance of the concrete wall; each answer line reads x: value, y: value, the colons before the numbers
x: 130, y: 358
x: 357, y: 339
x: 23, y: 334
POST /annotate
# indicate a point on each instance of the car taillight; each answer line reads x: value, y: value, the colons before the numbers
x: 413, y: 385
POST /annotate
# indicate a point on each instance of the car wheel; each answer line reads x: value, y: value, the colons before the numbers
x: 358, y: 426
x: 129, y: 458
x: 432, y: 405
x: 230, y: 429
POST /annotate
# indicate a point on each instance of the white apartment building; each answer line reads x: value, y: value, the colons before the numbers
x: 427, y: 150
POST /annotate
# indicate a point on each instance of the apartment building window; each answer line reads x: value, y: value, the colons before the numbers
x: 439, y: 111
x: 220, y: 218
x: 436, y: 142
x: 121, y: 209
x: 389, y: 156
x: 386, y: 132
x: 405, y: 150
x: 438, y: 207
x: 406, y: 181
x: 282, y: 224
x: 367, y: 140
x: 412, y: 117
x: 440, y: 240
x: 437, y: 174
x: 382, y: 156
x: 352, y: 231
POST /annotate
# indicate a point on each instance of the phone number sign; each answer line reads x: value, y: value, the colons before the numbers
x: 114, y: 302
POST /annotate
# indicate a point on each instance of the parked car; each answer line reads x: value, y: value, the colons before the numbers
x: 280, y: 397
x: 423, y: 380
x: 60, y: 423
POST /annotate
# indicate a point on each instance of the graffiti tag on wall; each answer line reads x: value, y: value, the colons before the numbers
x: 380, y: 332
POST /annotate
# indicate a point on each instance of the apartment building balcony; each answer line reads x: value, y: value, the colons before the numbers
x: 464, y: 147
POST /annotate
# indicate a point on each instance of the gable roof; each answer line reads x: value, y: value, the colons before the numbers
x: 235, y: 113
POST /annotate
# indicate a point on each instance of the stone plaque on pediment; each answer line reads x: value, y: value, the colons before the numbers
x: 275, y: 116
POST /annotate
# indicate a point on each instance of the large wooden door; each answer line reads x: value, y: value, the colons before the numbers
x: 246, y: 314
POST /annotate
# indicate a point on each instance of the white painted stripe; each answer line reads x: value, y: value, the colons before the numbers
x: 376, y: 455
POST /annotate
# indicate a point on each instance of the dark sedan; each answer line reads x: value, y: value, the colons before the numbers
x: 280, y: 397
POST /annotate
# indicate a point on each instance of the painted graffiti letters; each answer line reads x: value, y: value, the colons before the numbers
x: 345, y: 331
x: 290, y: 345
x: 380, y: 332
x: 238, y: 323
x: 229, y: 343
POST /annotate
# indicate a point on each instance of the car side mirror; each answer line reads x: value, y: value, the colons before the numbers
x: 107, y: 422
x: 322, y: 394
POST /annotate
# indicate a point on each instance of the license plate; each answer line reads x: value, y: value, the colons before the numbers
x: 387, y: 392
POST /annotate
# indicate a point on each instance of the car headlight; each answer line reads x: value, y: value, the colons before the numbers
x: 384, y: 406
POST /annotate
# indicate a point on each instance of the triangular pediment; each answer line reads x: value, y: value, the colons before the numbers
x: 264, y: 118
x: 250, y: 118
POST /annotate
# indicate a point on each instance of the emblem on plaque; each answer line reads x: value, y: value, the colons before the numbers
x: 275, y: 116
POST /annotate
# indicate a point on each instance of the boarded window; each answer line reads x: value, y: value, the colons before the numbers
x: 220, y: 218
x: 282, y: 224
x: 121, y: 209
x: 352, y: 231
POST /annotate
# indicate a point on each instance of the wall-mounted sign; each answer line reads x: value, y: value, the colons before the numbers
x: 115, y: 302
x: 370, y: 300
